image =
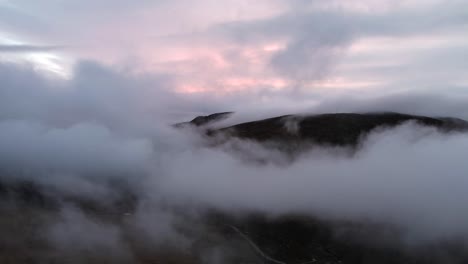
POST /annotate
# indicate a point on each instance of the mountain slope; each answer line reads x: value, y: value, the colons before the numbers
x: 329, y: 129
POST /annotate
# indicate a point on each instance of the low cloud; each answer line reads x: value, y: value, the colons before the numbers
x: 411, y: 177
x: 125, y: 178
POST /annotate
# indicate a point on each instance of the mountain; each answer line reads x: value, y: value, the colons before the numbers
x: 200, y: 121
x: 342, y: 129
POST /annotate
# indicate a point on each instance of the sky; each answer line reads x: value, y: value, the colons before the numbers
x: 283, y: 52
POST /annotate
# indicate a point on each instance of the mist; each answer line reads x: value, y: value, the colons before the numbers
x: 127, y: 182
x: 410, y: 176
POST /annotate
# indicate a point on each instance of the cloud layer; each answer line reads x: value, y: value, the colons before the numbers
x: 95, y: 130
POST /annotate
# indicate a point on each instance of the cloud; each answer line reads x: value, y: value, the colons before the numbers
x: 95, y: 94
x: 81, y: 139
x: 410, y: 177
x: 27, y: 48
x: 82, y: 149
x: 272, y: 42
x: 419, y: 103
x: 318, y: 39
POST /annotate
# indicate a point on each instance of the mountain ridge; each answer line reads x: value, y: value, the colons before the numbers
x: 338, y: 129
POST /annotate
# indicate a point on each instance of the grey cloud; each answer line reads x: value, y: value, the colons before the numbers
x: 27, y: 48
x: 70, y: 22
x: 422, y: 103
x: 20, y: 21
x: 94, y: 94
x: 80, y: 149
x: 410, y: 177
x: 319, y: 38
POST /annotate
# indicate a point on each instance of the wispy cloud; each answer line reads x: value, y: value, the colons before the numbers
x: 28, y: 48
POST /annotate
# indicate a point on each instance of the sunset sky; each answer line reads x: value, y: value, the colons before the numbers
x: 266, y: 48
